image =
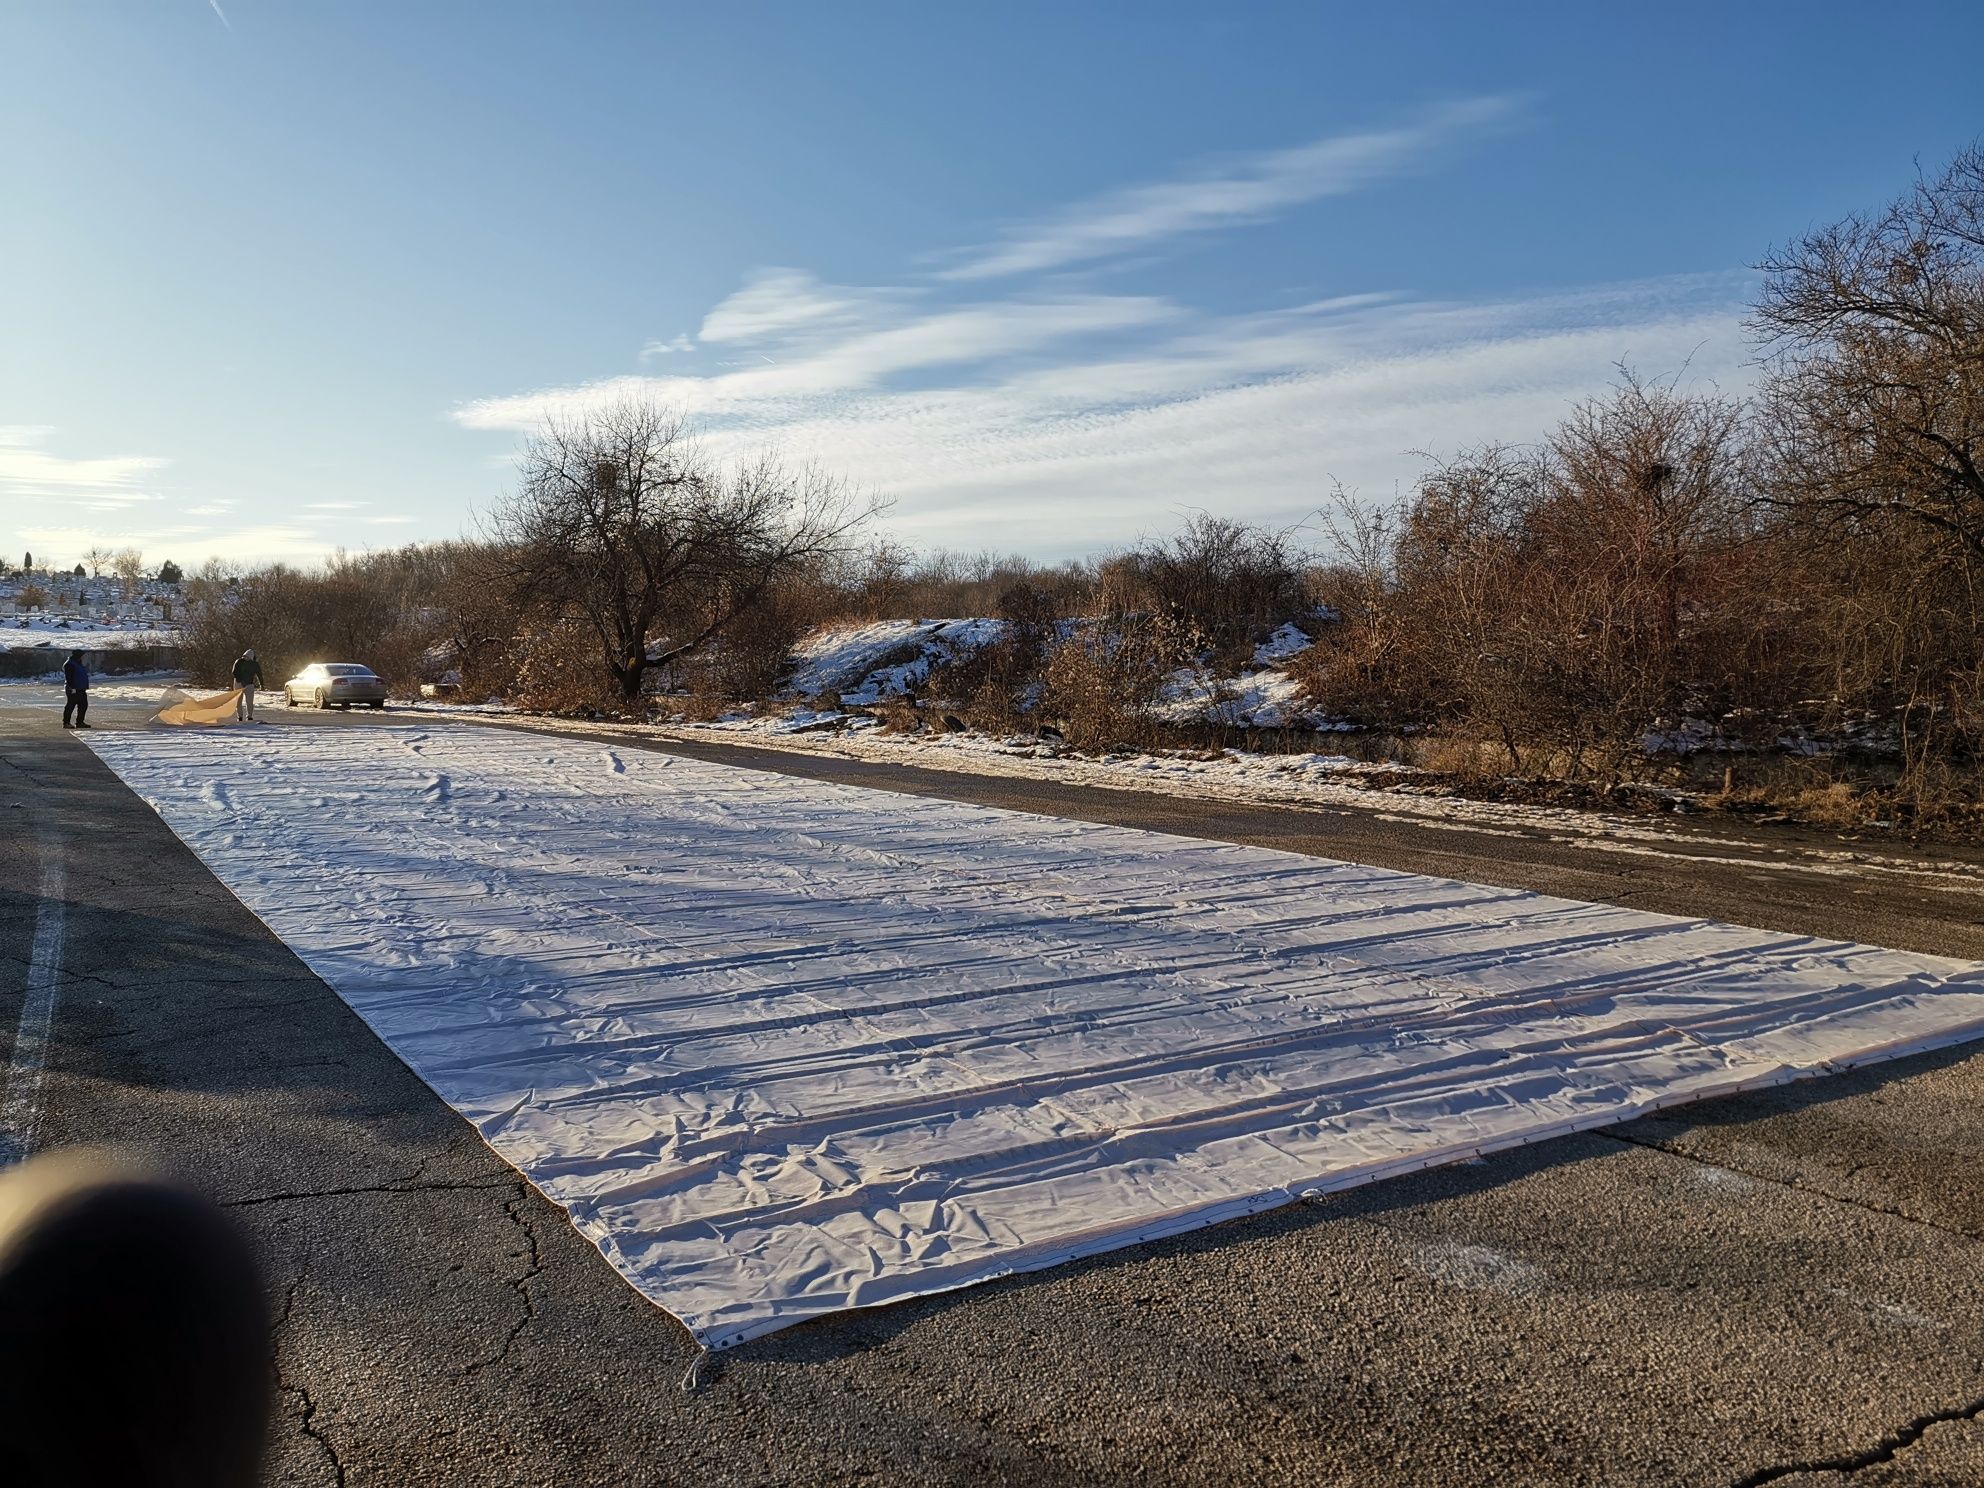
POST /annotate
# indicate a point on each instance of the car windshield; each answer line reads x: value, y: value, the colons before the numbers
x: 349, y: 671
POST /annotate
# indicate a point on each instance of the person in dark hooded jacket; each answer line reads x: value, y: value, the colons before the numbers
x: 75, y: 692
x: 247, y: 677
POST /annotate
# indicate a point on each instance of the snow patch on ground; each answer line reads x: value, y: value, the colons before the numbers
x: 60, y: 643
x: 63, y: 634
x: 491, y: 706
x: 1264, y: 699
x: 865, y: 664
x: 45, y: 691
x: 1287, y: 640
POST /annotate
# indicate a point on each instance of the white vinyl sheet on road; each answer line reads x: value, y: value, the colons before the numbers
x: 783, y: 1047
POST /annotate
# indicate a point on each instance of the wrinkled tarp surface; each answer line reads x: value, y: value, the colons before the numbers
x: 201, y: 711
x: 784, y: 1047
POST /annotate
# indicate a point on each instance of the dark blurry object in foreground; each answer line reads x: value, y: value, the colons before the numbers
x: 133, y: 1335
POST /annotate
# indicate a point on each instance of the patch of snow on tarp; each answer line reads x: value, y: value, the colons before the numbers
x: 783, y: 1047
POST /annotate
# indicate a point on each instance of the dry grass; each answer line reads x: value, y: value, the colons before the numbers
x: 899, y: 716
x: 701, y: 707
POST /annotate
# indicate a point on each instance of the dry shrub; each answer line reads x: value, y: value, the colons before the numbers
x: 1835, y: 805
x: 1101, y: 684
x: 1221, y: 580
x: 994, y: 709
x: 989, y: 686
x: 1464, y: 758
x: 899, y: 716
x: 558, y: 669
x: 1566, y: 602
x: 891, y: 582
x: 700, y: 707
x: 992, y: 687
x: 389, y: 611
x: 745, y: 661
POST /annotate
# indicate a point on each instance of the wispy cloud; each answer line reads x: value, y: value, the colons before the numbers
x: 1246, y: 190
x: 335, y: 506
x: 1253, y: 415
x: 66, y: 505
x: 31, y: 472
x: 783, y: 303
x: 1029, y: 418
x: 666, y: 348
x: 861, y: 351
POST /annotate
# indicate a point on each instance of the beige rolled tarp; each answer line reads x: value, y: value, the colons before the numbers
x: 202, y: 710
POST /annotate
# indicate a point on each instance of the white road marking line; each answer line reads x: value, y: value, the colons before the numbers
x: 20, y: 1108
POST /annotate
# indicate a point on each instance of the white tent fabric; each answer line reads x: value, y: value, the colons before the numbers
x: 783, y: 1047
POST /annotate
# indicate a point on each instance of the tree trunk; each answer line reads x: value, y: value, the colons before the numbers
x: 630, y: 674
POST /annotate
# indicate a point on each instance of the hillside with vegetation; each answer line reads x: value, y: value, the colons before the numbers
x: 1777, y: 593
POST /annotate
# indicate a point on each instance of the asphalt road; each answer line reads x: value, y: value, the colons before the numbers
x: 1786, y: 1287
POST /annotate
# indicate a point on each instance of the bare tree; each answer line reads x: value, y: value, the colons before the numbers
x: 208, y: 583
x: 1648, y: 486
x: 129, y: 566
x: 98, y: 558
x: 1875, y: 397
x: 623, y: 524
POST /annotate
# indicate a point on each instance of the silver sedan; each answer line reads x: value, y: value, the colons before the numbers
x: 335, y: 684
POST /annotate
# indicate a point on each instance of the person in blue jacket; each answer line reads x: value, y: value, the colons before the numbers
x: 75, y: 691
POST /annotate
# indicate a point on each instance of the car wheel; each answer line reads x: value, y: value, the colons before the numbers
x: 320, y: 700
x: 288, y: 698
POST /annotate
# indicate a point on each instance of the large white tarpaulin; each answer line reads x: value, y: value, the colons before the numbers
x: 783, y: 1047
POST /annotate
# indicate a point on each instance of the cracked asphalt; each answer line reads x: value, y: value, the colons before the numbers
x: 1781, y: 1288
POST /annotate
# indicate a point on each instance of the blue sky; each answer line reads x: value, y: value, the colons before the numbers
x: 283, y: 277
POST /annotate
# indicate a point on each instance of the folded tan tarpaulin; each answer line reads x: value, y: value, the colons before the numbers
x: 202, y: 710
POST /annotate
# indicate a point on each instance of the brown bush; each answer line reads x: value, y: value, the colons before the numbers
x: 1220, y: 582
x: 989, y: 686
x: 747, y: 658
x: 558, y: 671
x: 890, y: 582
x: 899, y: 716
x: 1101, y: 684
